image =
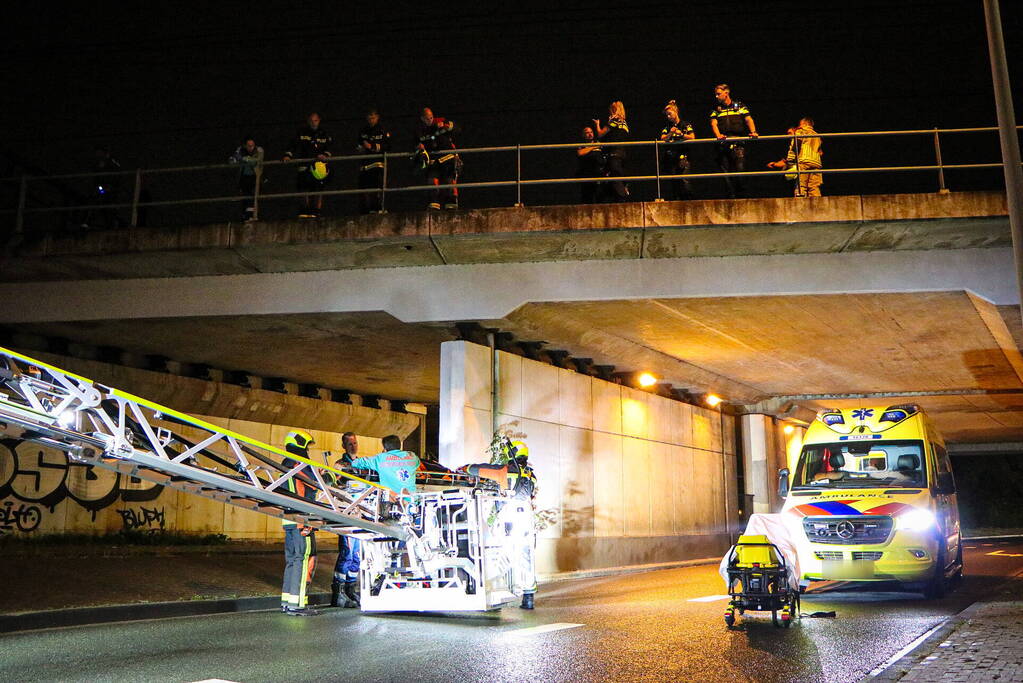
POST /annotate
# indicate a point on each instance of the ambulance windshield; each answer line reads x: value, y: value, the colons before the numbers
x: 861, y: 465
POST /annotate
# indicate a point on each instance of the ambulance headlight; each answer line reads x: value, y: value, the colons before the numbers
x: 917, y: 519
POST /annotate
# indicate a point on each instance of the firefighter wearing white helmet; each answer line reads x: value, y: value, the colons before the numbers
x: 299, y: 541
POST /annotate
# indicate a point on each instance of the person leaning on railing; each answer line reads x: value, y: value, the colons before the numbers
x: 374, y: 139
x: 435, y: 157
x: 311, y: 142
x: 805, y: 152
x: 249, y: 157
x: 676, y: 131
x: 591, y: 165
x: 728, y: 120
x: 616, y: 130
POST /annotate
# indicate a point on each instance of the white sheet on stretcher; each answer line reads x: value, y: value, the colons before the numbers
x: 771, y: 526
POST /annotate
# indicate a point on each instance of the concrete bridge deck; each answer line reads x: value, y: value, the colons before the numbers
x: 653, y: 230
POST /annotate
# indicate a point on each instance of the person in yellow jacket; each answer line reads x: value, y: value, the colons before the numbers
x: 299, y: 540
x: 805, y: 152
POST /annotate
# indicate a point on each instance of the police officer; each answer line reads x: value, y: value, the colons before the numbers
x: 616, y: 130
x: 731, y: 119
x: 314, y: 143
x: 676, y: 162
x: 591, y: 165
x: 436, y: 159
x: 376, y: 140
x: 299, y: 540
x: 349, y: 548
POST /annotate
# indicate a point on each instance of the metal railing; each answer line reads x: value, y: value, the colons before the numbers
x: 140, y: 176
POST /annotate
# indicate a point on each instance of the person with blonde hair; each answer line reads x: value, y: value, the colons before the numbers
x: 675, y: 161
x: 616, y: 130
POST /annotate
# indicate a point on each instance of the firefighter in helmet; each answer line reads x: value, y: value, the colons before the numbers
x: 299, y: 540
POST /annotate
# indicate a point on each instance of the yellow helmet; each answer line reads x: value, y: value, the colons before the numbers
x: 519, y: 449
x: 299, y: 438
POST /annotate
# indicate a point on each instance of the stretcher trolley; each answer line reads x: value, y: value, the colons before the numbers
x: 759, y: 580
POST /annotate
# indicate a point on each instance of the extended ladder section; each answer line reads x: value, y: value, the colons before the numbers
x: 106, y: 427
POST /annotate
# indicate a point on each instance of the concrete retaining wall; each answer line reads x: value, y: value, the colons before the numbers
x: 635, y: 478
x: 41, y: 492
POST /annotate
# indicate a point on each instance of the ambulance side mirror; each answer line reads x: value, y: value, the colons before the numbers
x: 783, y: 482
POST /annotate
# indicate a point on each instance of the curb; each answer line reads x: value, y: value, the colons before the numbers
x: 87, y: 616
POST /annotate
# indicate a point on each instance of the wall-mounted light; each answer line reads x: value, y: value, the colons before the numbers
x: 647, y: 380
x: 788, y: 429
x: 712, y: 400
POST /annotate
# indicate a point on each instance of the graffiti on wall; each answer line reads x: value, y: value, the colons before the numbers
x: 34, y: 479
x: 149, y: 519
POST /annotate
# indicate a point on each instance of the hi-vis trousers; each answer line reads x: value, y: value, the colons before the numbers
x: 299, y: 565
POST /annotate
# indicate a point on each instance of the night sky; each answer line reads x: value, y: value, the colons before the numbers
x: 163, y: 85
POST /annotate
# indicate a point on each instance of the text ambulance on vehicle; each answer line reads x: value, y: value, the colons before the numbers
x: 872, y: 498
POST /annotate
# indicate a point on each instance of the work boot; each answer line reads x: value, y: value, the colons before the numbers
x: 335, y: 594
x: 352, y: 593
x: 300, y: 612
x: 527, y: 601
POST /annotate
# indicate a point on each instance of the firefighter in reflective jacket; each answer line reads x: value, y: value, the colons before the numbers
x: 435, y: 157
x: 299, y: 541
x: 518, y: 477
x: 376, y: 140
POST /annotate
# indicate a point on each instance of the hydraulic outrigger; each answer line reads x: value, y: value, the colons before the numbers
x: 453, y: 546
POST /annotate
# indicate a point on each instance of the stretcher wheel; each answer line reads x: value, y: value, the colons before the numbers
x: 774, y: 617
x: 786, y: 622
x: 730, y: 620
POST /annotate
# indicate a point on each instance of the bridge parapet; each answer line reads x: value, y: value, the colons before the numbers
x: 744, y: 227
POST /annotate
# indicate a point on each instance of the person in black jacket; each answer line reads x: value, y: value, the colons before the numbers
x: 616, y: 130
x: 675, y: 161
x: 591, y: 165
x: 311, y: 146
x: 376, y: 140
x: 731, y: 119
x: 435, y: 157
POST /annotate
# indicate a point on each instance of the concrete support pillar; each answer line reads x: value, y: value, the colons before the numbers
x: 465, y: 402
x: 757, y: 447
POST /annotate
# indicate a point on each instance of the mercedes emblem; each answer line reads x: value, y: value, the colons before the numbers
x: 845, y: 530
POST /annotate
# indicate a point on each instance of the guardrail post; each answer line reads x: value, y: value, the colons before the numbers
x: 795, y: 153
x: 383, y: 184
x: 941, y: 167
x: 518, y: 175
x: 255, y: 191
x: 657, y: 169
x: 136, y: 193
x: 19, y: 219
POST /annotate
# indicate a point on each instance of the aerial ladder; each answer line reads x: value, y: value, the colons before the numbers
x: 456, y: 545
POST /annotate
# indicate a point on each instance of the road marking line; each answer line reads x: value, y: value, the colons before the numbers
x: 1002, y: 553
x: 214, y: 680
x: 710, y: 598
x: 546, y: 628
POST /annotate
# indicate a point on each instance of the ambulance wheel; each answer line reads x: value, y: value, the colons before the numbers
x: 937, y: 586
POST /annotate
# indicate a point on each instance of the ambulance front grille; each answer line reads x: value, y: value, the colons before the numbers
x: 872, y: 555
x: 859, y: 530
x: 829, y: 554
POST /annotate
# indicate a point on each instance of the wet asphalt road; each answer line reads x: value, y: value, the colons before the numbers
x: 640, y: 627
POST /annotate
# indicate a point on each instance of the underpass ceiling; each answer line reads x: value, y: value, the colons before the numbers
x: 745, y: 349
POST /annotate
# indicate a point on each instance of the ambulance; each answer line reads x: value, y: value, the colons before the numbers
x: 871, y: 497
